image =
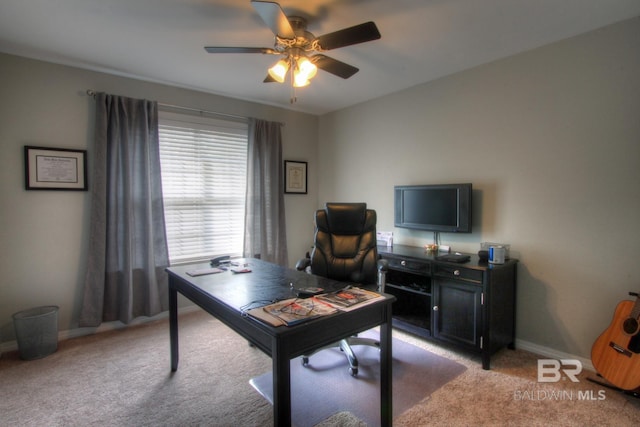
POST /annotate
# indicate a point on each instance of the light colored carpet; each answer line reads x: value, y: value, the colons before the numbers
x: 123, y: 378
x: 510, y: 395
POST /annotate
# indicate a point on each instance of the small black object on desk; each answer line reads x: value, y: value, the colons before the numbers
x: 453, y: 258
x: 224, y: 259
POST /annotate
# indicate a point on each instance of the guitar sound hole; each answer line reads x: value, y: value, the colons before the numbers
x: 630, y: 326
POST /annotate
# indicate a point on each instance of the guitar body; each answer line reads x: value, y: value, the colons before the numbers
x: 616, y: 352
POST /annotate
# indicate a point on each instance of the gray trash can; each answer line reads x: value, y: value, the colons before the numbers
x: 36, y: 331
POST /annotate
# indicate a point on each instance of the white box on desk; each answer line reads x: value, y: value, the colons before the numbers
x: 384, y: 238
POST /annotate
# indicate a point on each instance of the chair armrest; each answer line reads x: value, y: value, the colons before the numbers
x: 383, y: 266
x: 302, y: 264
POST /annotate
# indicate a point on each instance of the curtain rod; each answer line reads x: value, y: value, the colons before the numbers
x: 92, y: 93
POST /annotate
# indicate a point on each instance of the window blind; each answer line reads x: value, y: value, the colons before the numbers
x: 204, y: 168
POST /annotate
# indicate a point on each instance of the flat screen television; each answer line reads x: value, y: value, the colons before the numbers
x: 444, y: 207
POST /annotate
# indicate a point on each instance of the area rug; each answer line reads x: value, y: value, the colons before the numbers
x: 326, y: 387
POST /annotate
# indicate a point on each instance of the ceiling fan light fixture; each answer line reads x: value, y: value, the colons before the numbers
x: 294, y: 43
x: 279, y: 71
x: 307, y: 67
x: 303, y: 72
x: 300, y: 80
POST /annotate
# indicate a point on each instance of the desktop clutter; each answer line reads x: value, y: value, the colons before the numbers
x: 313, y: 303
x: 220, y: 264
x: 310, y: 303
x: 493, y: 253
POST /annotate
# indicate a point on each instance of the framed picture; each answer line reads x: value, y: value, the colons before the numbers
x: 55, y: 169
x: 295, y: 177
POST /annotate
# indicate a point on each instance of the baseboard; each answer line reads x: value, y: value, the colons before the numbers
x: 111, y: 326
x: 553, y: 353
x: 104, y: 327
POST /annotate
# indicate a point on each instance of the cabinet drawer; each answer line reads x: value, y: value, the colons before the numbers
x: 453, y: 272
x: 408, y: 265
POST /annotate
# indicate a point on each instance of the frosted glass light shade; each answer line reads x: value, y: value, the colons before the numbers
x: 279, y: 71
x: 307, y: 68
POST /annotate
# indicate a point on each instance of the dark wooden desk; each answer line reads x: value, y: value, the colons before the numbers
x: 224, y: 295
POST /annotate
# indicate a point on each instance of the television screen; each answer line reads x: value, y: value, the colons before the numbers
x: 445, y: 207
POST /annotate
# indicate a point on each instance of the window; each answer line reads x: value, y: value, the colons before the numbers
x: 204, y: 168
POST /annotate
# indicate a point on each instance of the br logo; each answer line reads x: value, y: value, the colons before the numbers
x: 551, y: 370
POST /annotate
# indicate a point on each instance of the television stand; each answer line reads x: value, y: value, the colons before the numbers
x: 470, y: 305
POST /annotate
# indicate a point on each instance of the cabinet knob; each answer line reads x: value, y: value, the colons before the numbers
x: 403, y: 263
x: 435, y: 308
x: 456, y: 272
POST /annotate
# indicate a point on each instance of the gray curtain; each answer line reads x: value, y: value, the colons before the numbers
x: 128, y: 246
x: 265, y: 231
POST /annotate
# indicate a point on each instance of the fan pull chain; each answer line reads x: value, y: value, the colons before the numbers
x: 293, y: 97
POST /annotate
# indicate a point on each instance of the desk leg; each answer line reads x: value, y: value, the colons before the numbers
x: 281, y: 385
x: 486, y: 359
x: 173, y: 327
x: 386, y: 374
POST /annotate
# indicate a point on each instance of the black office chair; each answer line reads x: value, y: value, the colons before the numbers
x: 345, y: 249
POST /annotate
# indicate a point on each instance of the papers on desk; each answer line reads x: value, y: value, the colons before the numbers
x: 203, y: 271
x: 350, y: 298
x: 291, y: 311
x: 296, y: 310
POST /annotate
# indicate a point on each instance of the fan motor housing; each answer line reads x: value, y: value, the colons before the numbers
x: 304, y: 38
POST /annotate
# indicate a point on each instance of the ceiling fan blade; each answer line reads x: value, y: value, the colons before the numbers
x: 348, y: 36
x: 269, y: 79
x: 217, y: 49
x: 334, y: 66
x: 273, y: 15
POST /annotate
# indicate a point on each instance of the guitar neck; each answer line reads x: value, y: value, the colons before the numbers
x: 635, y: 312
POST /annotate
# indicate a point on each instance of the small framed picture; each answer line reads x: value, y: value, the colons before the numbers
x: 295, y: 177
x: 55, y: 169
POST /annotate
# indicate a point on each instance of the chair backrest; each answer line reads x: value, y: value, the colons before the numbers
x: 345, y: 243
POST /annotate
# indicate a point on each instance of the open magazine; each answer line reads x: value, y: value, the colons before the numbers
x: 349, y: 298
x: 292, y: 311
x: 296, y: 310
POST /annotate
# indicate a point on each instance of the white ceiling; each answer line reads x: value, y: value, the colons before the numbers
x: 163, y: 40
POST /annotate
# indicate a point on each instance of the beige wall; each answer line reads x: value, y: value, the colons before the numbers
x: 550, y: 140
x: 43, y: 234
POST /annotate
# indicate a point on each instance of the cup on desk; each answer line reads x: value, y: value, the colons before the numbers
x: 496, y: 254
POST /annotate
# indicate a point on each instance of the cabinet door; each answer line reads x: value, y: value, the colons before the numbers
x: 457, y: 312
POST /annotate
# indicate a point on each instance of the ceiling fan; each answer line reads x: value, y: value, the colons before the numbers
x: 297, y: 46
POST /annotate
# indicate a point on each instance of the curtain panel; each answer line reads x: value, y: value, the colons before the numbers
x: 128, y: 247
x: 265, y: 233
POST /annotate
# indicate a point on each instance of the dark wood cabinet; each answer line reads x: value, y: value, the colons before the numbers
x: 469, y: 304
x: 456, y: 313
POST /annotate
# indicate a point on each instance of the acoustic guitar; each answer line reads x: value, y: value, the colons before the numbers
x: 616, y: 352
